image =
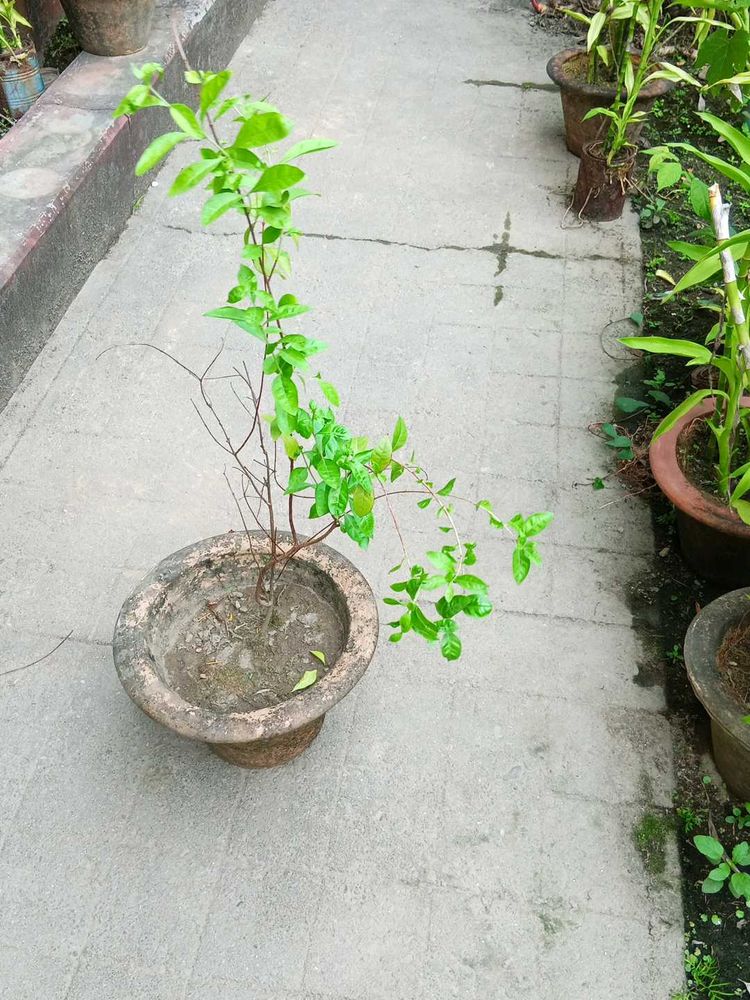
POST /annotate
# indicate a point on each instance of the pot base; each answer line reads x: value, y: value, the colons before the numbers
x: 271, y: 752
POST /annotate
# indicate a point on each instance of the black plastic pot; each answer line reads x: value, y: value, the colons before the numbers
x: 110, y: 27
x: 730, y: 735
x: 601, y: 187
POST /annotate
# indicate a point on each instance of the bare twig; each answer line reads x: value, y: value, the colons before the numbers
x: 33, y: 663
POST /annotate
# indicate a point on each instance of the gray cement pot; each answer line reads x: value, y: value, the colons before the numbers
x: 255, y: 738
x: 729, y: 734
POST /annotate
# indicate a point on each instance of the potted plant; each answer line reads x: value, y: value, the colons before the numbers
x: 590, y: 78
x: 110, y: 27
x: 245, y: 640
x: 700, y: 452
x: 717, y: 658
x: 20, y: 74
x: 607, y: 162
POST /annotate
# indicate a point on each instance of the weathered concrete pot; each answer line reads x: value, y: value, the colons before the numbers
x: 601, y: 188
x: 715, y: 542
x: 729, y: 734
x: 256, y: 738
x: 568, y: 70
x: 110, y: 27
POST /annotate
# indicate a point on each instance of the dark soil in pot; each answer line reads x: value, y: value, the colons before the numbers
x: 196, y: 652
x: 601, y: 187
x: 568, y: 70
x: 733, y: 662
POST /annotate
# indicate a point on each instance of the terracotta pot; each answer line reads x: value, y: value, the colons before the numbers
x: 568, y: 70
x: 110, y: 27
x: 601, y: 188
x: 21, y: 83
x: 729, y: 734
x: 160, y: 606
x: 714, y: 540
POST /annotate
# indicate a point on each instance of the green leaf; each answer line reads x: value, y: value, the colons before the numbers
x: 306, y: 680
x: 297, y: 481
x: 381, y: 456
x: 739, y: 883
x: 422, y: 624
x: 211, y: 90
x: 262, y: 129
x: 521, y: 563
x: 400, y: 435
x: 184, y: 118
x: 474, y: 584
x: 285, y: 393
x: 190, y: 176
x: 158, y: 149
x: 743, y: 509
x: 361, y: 501
x: 741, y: 854
x: 307, y: 146
x: 628, y: 405
x: 338, y: 499
x: 724, y: 52
x: 319, y: 655
x: 450, y: 644
x: 709, y: 847
x: 710, y: 886
x: 447, y: 489
x: 442, y: 561
x: 329, y: 392
x: 665, y: 345
x: 668, y: 174
x: 536, y: 523
x: 480, y: 607
x: 278, y: 178
x: 220, y: 203
x: 595, y: 28
x: 329, y: 472
x: 698, y: 197
x: 679, y: 411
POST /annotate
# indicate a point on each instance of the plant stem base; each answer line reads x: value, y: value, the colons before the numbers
x: 271, y: 752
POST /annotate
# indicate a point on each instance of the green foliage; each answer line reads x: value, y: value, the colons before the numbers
x: 11, y: 23
x: 690, y: 818
x: 727, y: 870
x: 339, y: 476
x: 619, y: 442
x: 650, y: 835
x: 740, y: 817
x: 704, y: 978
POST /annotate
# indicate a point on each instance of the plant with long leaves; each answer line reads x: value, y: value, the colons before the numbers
x: 728, y: 354
x: 11, y: 43
x: 634, y: 73
x: 302, y: 452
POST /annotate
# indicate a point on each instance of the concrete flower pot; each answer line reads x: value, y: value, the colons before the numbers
x: 170, y: 599
x: 568, y: 70
x: 714, y: 540
x: 729, y: 734
x: 110, y: 27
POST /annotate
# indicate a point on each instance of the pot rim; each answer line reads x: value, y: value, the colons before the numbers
x: 673, y: 483
x: 702, y: 641
x: 657, y: 88
x: 138, y: 675
x: 626, y: 157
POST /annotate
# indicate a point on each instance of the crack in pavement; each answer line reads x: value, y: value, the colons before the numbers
x: 527, y: 85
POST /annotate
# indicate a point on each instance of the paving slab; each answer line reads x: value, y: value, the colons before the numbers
x: 457, y: 831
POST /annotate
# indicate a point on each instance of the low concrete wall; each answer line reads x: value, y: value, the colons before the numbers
x: 67, y: 185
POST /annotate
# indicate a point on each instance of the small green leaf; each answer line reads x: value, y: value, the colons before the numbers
x: 450, y: 644
x: 262, y: 129
x: 220, y: 203
x: 285, y: 393
x: 184, y: 117
x: 381, y: 456
x: 741, y: 854
x: 306, y: 680
x: 447, y: 489
x: 157, y: 150
x: 361, y: 501
x: 307, y: 146
x: 400, y: 435
x: 710, y: 886
x: 328, y: 471
x: 474, y: 584
x: 190, y: 176
x: 709, y: 847
x: 278, y: 178
x: 329, y: 392
x: 442, y: 561
x: 319, y: 655
x: 297, y: 481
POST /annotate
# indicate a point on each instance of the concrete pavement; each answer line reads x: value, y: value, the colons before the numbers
x: 458, y: 831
